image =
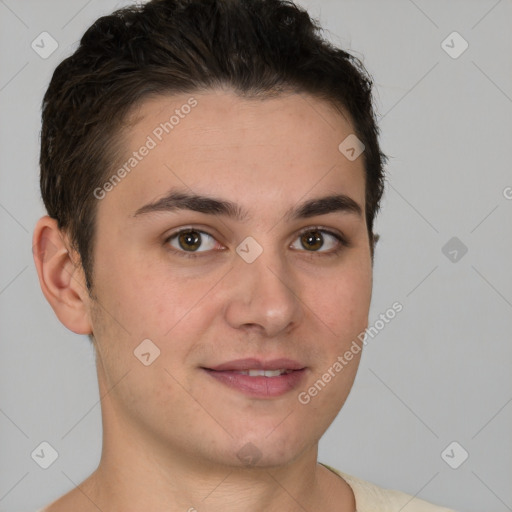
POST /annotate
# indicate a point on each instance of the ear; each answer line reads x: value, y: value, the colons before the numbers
x: 61, y: 278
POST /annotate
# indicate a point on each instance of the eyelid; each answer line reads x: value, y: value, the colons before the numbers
x: 189, y: 254
x: 324, y: 229
x: 339, y: 236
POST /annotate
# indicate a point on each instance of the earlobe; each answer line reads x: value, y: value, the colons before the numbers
x: 61, y: 279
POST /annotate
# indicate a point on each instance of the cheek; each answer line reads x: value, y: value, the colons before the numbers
x: 342, y: 301
x: 165, y: 302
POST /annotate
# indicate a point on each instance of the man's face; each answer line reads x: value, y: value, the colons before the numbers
x: 209, y: 297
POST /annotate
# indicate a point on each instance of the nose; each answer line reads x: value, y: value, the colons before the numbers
x: 262, y: 296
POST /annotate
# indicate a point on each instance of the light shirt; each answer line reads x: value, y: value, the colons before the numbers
x: 372, y: 498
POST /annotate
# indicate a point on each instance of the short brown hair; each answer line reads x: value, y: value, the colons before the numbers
x: 256, y: 48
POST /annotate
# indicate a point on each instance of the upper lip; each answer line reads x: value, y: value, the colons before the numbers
x: 258, y: 364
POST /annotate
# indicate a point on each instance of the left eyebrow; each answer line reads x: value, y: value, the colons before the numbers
x: 325, y: 205
x: 181, y: 200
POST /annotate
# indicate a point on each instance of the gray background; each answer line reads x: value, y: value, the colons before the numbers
x: 439, y: 372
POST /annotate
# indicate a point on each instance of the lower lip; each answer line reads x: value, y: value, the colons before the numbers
x: 261, y: 387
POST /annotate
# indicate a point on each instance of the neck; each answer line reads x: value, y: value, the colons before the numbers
x: 137, y: 475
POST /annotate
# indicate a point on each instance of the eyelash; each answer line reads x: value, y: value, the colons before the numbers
x: 343, y: 242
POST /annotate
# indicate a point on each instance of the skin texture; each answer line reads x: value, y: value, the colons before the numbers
x: 171, y: 433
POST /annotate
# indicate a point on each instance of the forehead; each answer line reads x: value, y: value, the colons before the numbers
x: 262, y: 152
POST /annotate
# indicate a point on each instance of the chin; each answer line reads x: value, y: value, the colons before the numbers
x: 268, y: 450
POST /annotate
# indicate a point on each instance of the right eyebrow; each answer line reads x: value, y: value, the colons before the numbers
x: 177, y: 200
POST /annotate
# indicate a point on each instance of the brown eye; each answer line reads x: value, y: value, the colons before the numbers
x: 318, y: 240
x: 189, y: 240
x: 312, y: 240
